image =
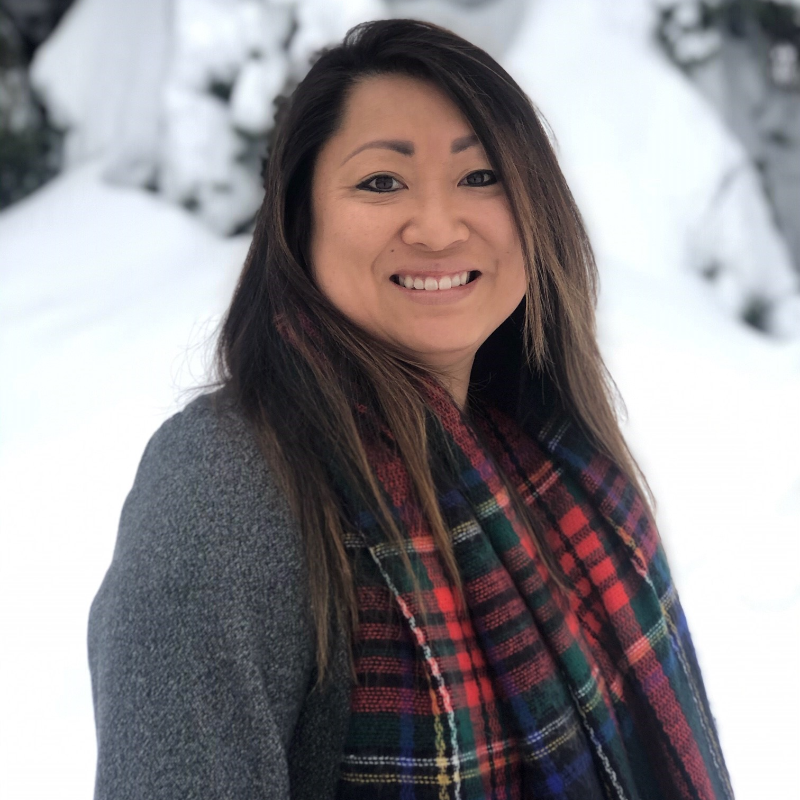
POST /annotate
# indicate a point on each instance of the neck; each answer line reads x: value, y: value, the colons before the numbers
x: 456, y: 380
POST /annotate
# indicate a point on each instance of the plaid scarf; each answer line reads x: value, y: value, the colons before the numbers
x: 527, y: 692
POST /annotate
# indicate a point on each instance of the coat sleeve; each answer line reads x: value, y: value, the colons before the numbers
x: 200, y: 637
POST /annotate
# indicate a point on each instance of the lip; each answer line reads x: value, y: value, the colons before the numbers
x: 437, y: 297
x: 437, y: 271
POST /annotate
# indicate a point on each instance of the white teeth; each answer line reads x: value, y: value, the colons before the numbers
x: 430, y: 284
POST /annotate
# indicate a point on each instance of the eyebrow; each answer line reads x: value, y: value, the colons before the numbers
x: 406, y: 148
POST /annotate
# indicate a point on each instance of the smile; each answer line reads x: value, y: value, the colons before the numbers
x: 431, y: 284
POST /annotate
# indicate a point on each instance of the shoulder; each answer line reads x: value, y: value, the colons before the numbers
x: 208, y: 446
x: 206, y: 517
x: 201, y: 639
x: 204, y: 496
x: 209, y: 555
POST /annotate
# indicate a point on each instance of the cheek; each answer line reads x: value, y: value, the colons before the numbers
x: 332, y: 251
x: 328, y: 238
x: 344, y: 248
x: 345, y: 240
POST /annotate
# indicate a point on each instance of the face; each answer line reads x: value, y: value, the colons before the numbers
x: 412, y: 237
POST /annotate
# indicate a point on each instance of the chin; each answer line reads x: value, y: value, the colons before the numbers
x: 443, y: 352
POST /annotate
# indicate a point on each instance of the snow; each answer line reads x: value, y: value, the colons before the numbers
x: 490, y: 24
x: 660, y: 171
x: 321, y: 22
x: 145, y: 87
x: 201, y: 164
x: 649, y: 162
x: 260, y: 80
x: 100, y: 73
x: 110, y: 297
x: 105, y: 329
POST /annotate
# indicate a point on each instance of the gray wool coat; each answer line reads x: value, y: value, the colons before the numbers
x: 201, y: 644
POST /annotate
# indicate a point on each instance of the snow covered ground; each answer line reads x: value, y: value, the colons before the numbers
x: 102, y: 291
x: 109, y: 297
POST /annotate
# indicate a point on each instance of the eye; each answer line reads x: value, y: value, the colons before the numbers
x: 381, y: 183
x: 481, y: 177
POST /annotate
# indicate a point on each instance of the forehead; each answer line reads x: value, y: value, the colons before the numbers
x: 398, y: 106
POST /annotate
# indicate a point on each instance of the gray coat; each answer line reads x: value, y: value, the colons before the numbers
x: 201, y: 642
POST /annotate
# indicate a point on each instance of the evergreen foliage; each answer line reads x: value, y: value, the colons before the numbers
x: 29, y: 146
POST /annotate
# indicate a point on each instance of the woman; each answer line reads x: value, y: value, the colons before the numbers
x: 404, y: 551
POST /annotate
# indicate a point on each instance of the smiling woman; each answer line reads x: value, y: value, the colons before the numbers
x: 403, y: 550
x: 413, y: 237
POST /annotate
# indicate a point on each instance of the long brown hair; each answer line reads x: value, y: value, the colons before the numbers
x: 299, y: 385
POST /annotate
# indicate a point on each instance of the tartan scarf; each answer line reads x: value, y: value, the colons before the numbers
x: 527, y: 692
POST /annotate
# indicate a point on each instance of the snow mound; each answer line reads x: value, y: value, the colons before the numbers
x: 663, y: 186
x: 110, y: 299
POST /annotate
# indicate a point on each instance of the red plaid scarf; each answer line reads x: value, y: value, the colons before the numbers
x: 524, y: 693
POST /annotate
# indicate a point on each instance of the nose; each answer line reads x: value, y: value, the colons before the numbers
x: 435, y: 223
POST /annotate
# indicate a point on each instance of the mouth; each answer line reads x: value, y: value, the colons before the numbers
x: 431, y: 284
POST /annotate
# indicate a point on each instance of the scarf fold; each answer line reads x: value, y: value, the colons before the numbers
x: 526, y: 692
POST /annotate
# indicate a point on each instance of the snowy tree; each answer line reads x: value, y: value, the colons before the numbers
x: 177, y: 95
x: 744, y: 55
x: 663, y: 184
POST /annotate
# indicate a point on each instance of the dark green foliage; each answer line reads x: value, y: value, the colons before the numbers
x: 29, y: 147
x: 780, y: 22
x: 28, y: 159
x: 777, y: 22
x: 756, y: 314
x: 221, y: 89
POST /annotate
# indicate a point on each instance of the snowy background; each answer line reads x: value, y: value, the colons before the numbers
x: 114, y: 273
